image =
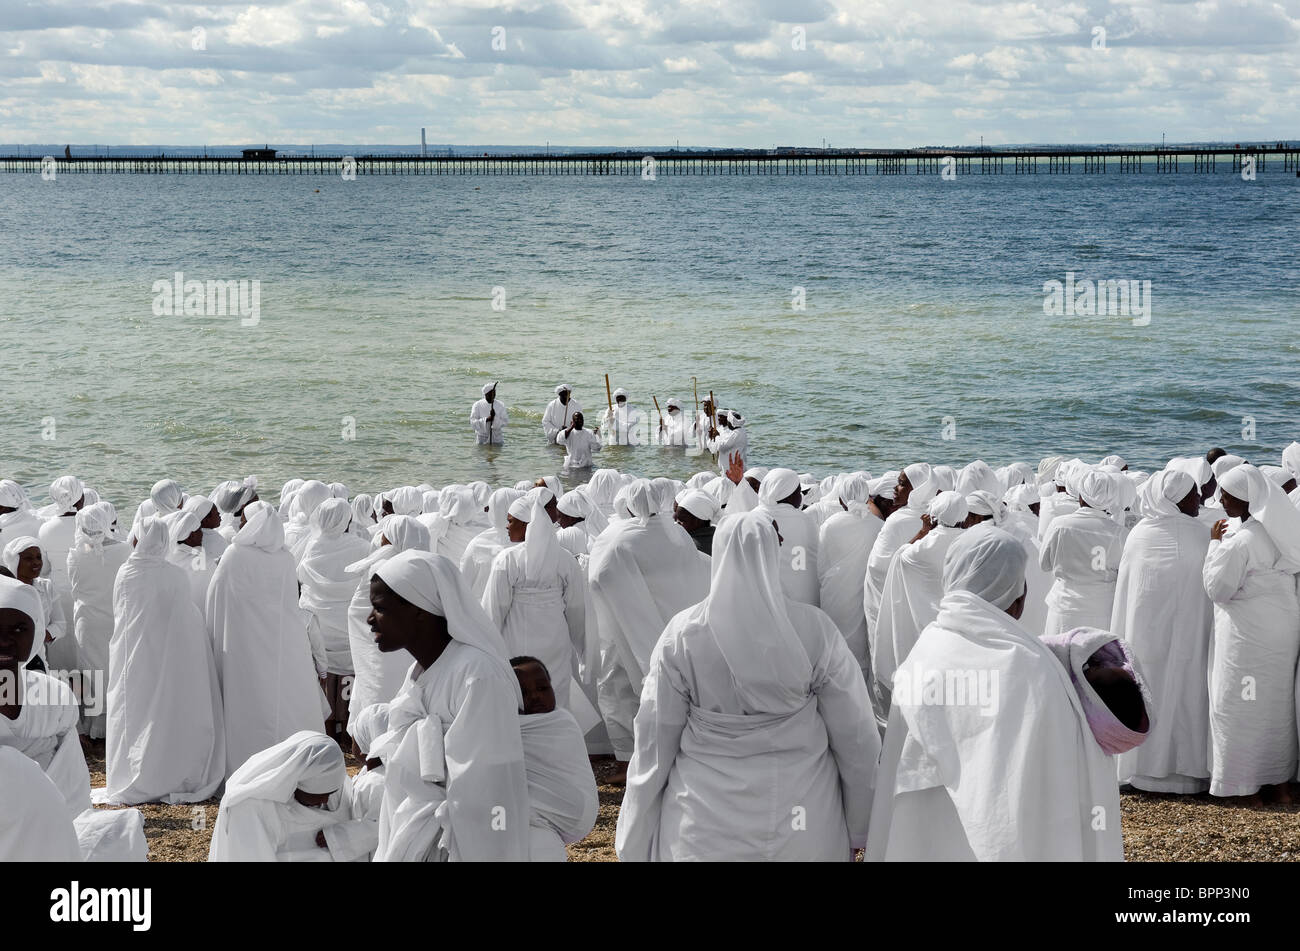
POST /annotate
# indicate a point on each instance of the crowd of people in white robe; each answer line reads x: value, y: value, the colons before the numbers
x: 936, y: 663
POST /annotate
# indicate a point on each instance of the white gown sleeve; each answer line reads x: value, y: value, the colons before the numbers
x: 1224, y: 570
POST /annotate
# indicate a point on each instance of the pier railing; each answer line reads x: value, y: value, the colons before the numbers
x: 1259, y: 159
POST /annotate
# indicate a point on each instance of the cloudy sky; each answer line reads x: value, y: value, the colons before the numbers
x: 753, y: 73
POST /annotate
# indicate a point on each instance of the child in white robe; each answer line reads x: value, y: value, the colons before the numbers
x: 561, y: 786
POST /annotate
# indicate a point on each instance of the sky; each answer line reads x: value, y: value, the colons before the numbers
x: 725, y: 73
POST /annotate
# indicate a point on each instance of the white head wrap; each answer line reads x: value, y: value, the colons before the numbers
x: 65, y: 491
x: 368, y: 725
x: 181, y: 525
x: 748, y: 614
x: 1195, y: 466
x: 153, y: 539
x: 1290, y: 460
x: 563, y: 388
x: 14, y: 549
x: 1100, y: 490
x: 262, y: 528
x: 229, y: 496
x: 331, y: 517
x: 498, y: 508
x: 948, y: 508
x: 1160, y: 494
x: 488, y: 388
x: 1271, y: 507
x: 308, y: 761
x: 13, y: 496
x: 699, y: 503
x: 23, y: 597
x: 1225, y: 464
x: 778, y: 485
x: 167, y: 496
x: 620, y: 392
x: 94, y: 526
x: 983, y: 502
x: 989, y: 563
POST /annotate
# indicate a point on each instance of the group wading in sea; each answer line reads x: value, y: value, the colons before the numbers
x: 932, y: 663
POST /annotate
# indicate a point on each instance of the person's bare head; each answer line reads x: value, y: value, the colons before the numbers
x: 534, y: 684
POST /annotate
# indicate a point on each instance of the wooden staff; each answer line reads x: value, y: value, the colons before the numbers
x: 609, y: 397
x: 713, y: 415
x: 658, y: 410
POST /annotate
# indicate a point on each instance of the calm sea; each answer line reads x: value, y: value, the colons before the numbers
x: 924, y: 319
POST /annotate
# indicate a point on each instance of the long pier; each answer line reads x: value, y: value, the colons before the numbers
x: 991, y: 161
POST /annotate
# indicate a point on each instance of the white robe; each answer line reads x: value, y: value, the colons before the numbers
x: 546, y: 620
x: 56, y: 538
x: 624, y: 427
x: 1162, y: 612
x: 1082, y: 550
x: 640, y: 576
x: 1018, y: 779
x: 327, y: 591
x: 909, y: 601
x: 46, y: 731
x: 843, y: 550
x: 262, y: 830
x: 269, y: 687
x: 714, y: 781
x: 799, y: 540
x: 561, y: 786
x: 92, y: 574
x: 1253, y: 664
x: 558, y: 415
x: 34, y: 825
x: 478, y: 421
x: 476, y: 562
x: 579, y: 446
x: 731, y: 442
x: 165, y: 733
x: 455, y: 785
x: 1058, y: 503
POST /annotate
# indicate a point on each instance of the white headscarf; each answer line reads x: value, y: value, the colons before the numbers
x: 700, y: 504
x: 263, y: 528
x: 919, y: 474
x: 1100, y: 490
x: 230, y: 496
x: 406, y: 500
x: 153, y: 540
x: 1224, y: 464
x: 1160, y: 494
x: 402, y: 532
x: 575, y: 504
x: 167, y: 496
x: 94, y: 526
x: 1275, y: 512
x: 1290, y: 460
x: 308, y: 761
x: 433, y: 584
x: 331, y: 518
x: 498, y: 508
x: 65, y: 491
x: 12, y: 495
x: 14, y: 549
x: 948, y: 508
x: 748, y: 615
x: 986, y: 503
x: 368, y: 725
x: 777, y: 485
x: 541, y: 546
x: 987, y: 562
x: 23, y: 597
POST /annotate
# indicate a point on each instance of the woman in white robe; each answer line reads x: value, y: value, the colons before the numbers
x: 57, y: 538
x: 476, y: 562
x: 269, y: 687
x: 1250, y: 575
x: 562, y: 791
x: 326, y: 590
x: 912, y: 494
x: 748, y: 690
x: 38, y: 718
x: 231, y: 498
x: 376, y: 675
x: 1082, y: 550
x: 536, y: 595
x: 781, y: 495
x: 463, y: 521
x: 1003, y: 768
x: 1163, y: 613
x: 166, y: 734
x: 643, y: 570
x: 186, y: 552
x: 290, y: 803
x: 843, y: 550
x: 910, y: 598
x: 306, y: 500
x: 93, y: 564
x: 26, y: 560
x: 456, y: 788
x: 364, y: 520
